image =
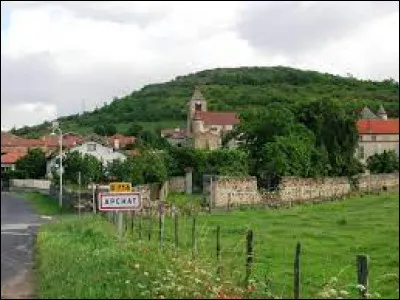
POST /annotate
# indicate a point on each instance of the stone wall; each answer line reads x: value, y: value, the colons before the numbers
x: 374, y: 182
x: 176, y: 184
x: 292, y: 189
x: 30, y: 184
x: 229, y: 191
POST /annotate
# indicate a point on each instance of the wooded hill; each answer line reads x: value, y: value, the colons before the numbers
x: 229, y: 89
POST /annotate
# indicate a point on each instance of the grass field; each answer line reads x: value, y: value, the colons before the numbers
x: 97, y: 264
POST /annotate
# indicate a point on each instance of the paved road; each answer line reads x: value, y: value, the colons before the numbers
x: 18, y: 225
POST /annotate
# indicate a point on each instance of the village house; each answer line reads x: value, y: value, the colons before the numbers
x: 103, y: 153
x: 204, y: 128
x: 377, y: 133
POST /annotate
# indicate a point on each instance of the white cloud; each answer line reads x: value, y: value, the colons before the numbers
x: 32, y: 113
x: 57, y: 54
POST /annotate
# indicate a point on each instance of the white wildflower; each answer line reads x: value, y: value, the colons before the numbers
x: 360, y: 287
x: 137, y: 266
x: 127, y: 281
x: 146, y: 274
x: 332, y: 292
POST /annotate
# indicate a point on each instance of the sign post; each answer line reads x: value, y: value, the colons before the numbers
x: 119, y: 199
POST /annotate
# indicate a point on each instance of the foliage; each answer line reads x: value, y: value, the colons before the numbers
x: 105, y: 130
x: 310, y: 139
x: 336, y: 131
x: 217, y: 162
x: 233, y: 89
x: 33, y: 164
x: 90, y: 167
x: 134, y: 129
x: 14, y: 174
x: 148, y: 167
x: 385, y: 162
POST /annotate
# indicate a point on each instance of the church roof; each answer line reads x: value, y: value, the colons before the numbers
x: 218, y: 118
x: 381, y: 110
x: 366, y: 113
x: 197, y: 95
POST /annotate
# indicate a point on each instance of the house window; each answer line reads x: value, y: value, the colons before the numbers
x: 91, y: 147
x: 373, y: 138
x: 360, y: 138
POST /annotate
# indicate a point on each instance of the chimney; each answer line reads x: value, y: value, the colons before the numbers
x: 116, y: 144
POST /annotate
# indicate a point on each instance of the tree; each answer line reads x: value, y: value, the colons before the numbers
x: 148, y: 167
x: 105, y: 130
x: 134, y: 129
x: 90, y: 167
x: 386, y: 162
x: 335, y: 130
x: 33, y: 164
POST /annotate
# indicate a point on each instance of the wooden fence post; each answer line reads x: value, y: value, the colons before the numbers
x: 194, y: 241
x: 150, y: 222
x: 249, y: 259
x: 160, y: 224
x: 362, y: 262
x: 176, y: 230
x: 218, y: 250
x: 120, y: 225
x: 140, y: 224
x: 296, y: 286
x: 133, y: 220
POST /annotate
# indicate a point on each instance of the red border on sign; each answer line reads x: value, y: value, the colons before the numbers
x: 102, y: 208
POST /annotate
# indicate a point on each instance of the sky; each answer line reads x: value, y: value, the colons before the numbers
x: 59, y: 58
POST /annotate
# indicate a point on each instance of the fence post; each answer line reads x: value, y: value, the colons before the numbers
x: 160, y: 224
x: 133, y: 214
x: 176, y: 230
x: 120, y: 223
x: 194, y: 241
x: 218, y: 250
x: 296, y: 286
x: 249, y: 260
x: 362, y: 273
x: 150, y: 221
x: 140, y: 224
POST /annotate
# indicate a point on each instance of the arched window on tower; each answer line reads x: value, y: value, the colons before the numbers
x: 197, y: 106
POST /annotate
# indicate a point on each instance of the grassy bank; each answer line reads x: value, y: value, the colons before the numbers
x: 97, y: 264
x: 43, y: 204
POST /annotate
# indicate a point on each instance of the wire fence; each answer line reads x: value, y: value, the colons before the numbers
x: 235, y: 251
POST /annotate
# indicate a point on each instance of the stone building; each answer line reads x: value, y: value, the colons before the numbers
x: 376, y: 133
x: 204, y: 128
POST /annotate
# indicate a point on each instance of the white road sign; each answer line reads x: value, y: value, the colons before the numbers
x: 119, y: 201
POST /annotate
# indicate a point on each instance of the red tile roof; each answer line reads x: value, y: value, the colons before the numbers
x: 11, y: 158
x: 123, y: 140
x: 378, y: 126
x: 218, y: 118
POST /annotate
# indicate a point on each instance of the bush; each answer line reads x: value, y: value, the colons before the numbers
x: 386, y: 162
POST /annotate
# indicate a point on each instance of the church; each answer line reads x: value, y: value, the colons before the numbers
x: 204, y: 128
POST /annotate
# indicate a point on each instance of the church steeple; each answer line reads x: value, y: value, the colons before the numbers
x: 381, y: 113
x: 197, y: 95
x: 196, y: 104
